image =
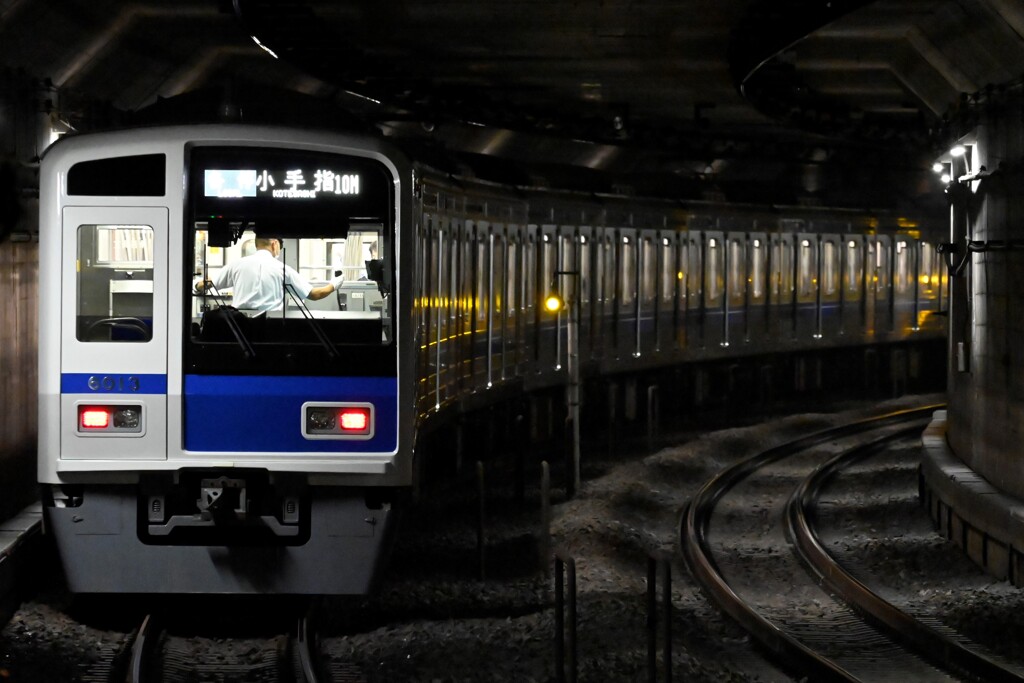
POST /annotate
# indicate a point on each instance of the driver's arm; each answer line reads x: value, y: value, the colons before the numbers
x: 324, y: 290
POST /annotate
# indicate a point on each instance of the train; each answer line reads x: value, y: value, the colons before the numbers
x: 187, y: 445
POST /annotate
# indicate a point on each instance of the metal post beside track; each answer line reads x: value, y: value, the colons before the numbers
x: 545, y: 517
x: 653, y: 562
x: 565, y: 671
x: 653, y: 415
x: 481, y: 545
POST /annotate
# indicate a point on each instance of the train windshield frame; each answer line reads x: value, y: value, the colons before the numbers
x: 330, y: 215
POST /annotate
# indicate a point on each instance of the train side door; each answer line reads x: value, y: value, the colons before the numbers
x: 113, y: 359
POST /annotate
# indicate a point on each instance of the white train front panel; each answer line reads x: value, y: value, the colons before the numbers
x: 179, y: 424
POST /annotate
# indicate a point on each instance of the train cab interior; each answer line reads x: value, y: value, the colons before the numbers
x: 357, y: 312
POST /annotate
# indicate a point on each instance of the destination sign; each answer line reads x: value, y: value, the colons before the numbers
x: 289, y: 183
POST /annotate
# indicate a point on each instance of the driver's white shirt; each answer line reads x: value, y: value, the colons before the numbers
x: 256, y: 281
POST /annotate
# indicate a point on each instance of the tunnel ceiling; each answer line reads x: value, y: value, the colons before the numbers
x: 835, y: 101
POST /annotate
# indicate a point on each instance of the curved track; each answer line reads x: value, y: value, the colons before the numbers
x: 748, y: 507
x: 921, y: 633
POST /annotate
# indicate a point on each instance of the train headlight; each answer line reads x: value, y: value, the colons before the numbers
x: 338, y: 420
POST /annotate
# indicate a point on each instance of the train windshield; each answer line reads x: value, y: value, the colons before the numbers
x: 291, y: 264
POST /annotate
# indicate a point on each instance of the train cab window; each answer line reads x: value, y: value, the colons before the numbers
x: 353, y: 257
x: 290, y: 263
x: 115, y: 283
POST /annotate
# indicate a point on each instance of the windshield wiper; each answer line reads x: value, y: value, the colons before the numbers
x: 318, y: 331
x: 228, y: 316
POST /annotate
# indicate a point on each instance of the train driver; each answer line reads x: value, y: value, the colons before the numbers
x: 256, y: 279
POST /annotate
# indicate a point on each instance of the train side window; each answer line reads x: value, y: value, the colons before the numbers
x: 782, y: 270
x: 737, y: 275
x: 806, y: 269
x: 483, y: 295
x: 115, y: 283
x: 607, y: 288
x: 529, y: 272
x: 668, y: 271
x: 928, y: 273
x: 882, y: 266
x: 854, y: 268
x: 512, y: 274
x: 627, y: 273
x: 648, y: 282
x: 829, y: 272
x: 901, y: 278
x: 758, y: 262
x: 585, y: 283
x: 713, y: 273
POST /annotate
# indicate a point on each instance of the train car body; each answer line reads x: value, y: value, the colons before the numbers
x: 189, y: 449
x: 187, y: 446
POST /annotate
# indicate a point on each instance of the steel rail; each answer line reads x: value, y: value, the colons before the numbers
x: 928, y: 641
x: 700, y: 562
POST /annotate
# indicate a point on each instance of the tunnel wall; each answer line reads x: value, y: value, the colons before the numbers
x: 986, y: 333
x: 19, y: 291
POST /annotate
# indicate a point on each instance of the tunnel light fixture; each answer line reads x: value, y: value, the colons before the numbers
x: 938, y: 167
x: 957, y: 151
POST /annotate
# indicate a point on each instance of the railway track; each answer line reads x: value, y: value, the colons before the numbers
x: 796, y: 600
x: 156, y: 654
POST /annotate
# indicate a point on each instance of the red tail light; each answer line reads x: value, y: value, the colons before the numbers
x: 354, y: 419
x: 94, y: 418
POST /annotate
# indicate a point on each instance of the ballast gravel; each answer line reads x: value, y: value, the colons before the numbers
x: 435, y: 620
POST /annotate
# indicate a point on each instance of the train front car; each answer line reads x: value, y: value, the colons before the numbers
x: 193, y: 438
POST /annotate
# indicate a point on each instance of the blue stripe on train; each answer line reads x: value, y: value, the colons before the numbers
x: 100, y: 383
x: 246, y: 414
